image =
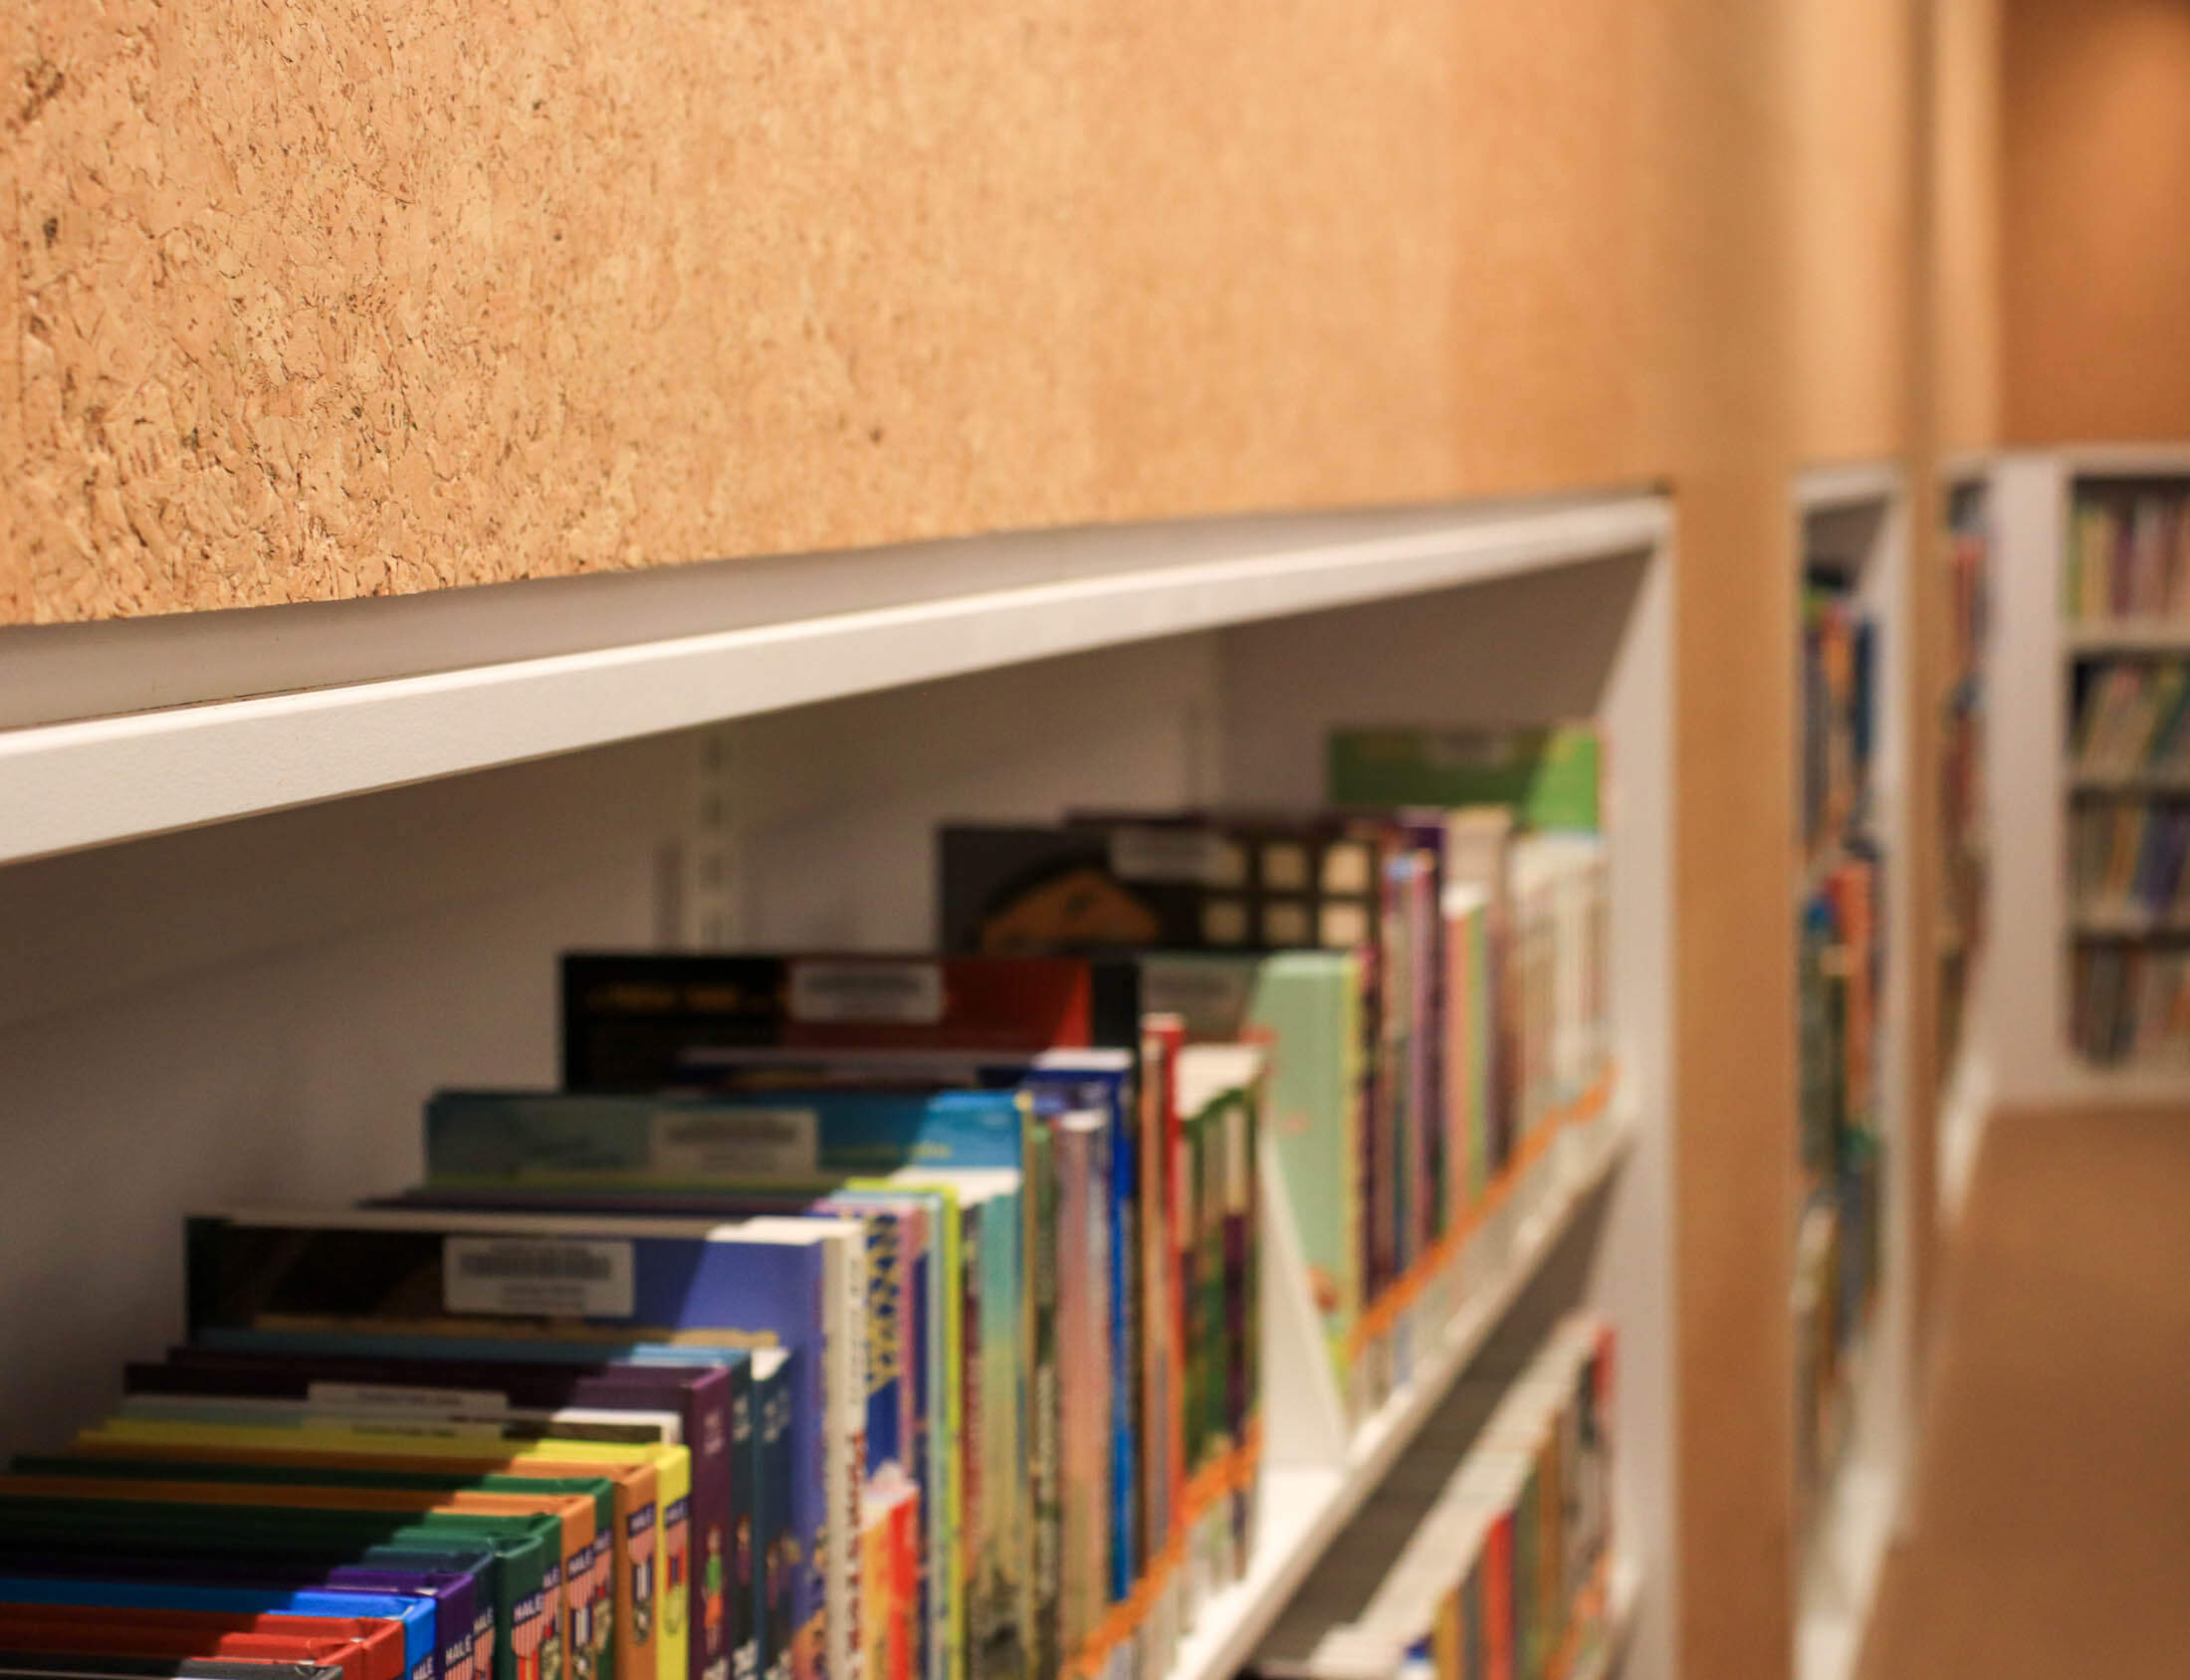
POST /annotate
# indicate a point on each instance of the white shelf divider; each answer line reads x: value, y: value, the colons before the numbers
x: 2125, y: 636
x: 67, y: 785
x: 1858, y: 516
x: 2128, y: 782
x: 2035, y: 924
x: 1306, y: 1506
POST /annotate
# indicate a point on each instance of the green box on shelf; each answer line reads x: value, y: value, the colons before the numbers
x: 1548, y: 777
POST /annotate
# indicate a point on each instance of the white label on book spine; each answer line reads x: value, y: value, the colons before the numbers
x: 736, y: 1143
x: 1192, y: 855
x: 907, y: 992
x: 396, y: 1397
x: 524, y: 1275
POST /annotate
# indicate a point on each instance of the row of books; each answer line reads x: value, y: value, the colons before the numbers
x: 1460, y: 1007
x: 1838, y: 1250
x: 2129, y: 552
x: 863, y: 1313
x: 1839, y: 957
x: 2132, y: 716
x: 2129, y: 1005
x: 1836, y: 1244
x: 1839, y: 711
x: 1840, y: 970
x: 2126, y: 858
x: 1964, y: 848
x: 1493, y: 1568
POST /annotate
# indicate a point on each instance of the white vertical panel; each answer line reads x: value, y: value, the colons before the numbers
x: 2025, y: 999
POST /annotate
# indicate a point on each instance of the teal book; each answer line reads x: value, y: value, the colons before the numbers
x: 1307, y: 1005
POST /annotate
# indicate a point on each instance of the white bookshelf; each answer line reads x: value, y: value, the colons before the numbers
x: 2025, y: 1026
x: 1853, y: 520
x: 1306, y: 1506
x: 271, y: 876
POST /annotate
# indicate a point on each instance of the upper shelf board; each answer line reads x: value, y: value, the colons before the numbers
x: 1854, y: 483
x: 853, y: 624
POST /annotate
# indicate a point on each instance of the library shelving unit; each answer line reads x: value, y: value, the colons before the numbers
x: 272, y: 875
x: 2090, y: 797
x: 1966, y: 827
x: 1852, y: 1227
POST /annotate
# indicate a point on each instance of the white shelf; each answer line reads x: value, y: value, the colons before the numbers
x: 2122, y: 460
x: 938, y: 612
x: 2129, y: 782
x: 2127, y: 925
x: 1303, y: 1510
x: 1843, y: 1579
x: 2125, y: 636
x: 1846, y: 485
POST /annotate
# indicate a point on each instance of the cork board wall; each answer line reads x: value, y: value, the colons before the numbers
x: 332, y: 300
x: 1853, y: 93
x: 335, y: 299
x: 1965, y: 277
x: 2096, y: 167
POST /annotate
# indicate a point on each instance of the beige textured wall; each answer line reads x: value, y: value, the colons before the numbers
x: 1853, y: 102
x: 1965, y: 276
x: 2095, y: 185
x: 380, y: 298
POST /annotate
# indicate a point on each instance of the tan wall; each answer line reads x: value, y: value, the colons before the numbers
x: 1852, y: 104
x: 2096, y: 180
x: 1965, y: 276
x: 363, y: 306
x: 350, y: 307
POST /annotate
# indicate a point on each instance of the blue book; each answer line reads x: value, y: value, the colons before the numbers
x: 900, y: 1226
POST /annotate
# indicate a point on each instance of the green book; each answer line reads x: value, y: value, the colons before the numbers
x: 1309, y: 1003
x: 1548, y: 778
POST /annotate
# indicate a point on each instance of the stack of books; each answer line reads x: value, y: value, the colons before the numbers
x: 2131, y: 719
x: 2129, y: 552
x: 1494, y: 1566
x: 2129, y: 1005
x: 1839, y: 711
x: 2125, y: 862
x: 1839, y: 978
x: 864, y: 1314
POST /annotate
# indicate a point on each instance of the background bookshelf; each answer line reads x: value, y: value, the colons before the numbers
x: 253, y: 932
x: 1967, y: 551
x: 1850, y: 1241
x: 2088, y: 767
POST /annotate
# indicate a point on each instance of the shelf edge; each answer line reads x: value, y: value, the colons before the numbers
x: 64, y: 786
